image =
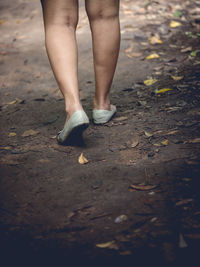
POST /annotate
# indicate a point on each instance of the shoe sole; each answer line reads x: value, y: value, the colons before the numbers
x: 75, y: 137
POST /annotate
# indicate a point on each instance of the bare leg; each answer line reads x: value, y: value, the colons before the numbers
x: 104, y: 22
x: 60, y: 20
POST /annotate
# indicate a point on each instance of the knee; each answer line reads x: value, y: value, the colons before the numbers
x: 68, y: 21
x: 103, y: 14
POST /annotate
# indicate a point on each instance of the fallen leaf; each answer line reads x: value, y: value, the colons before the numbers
x: 163, y: 90
x: 187, y: 49
x: 184, y: 202
x: 29, y: 133
x: 12, y: 134
x: 134, y: 143
x: 2, y: 21
x: 125, y: 253
x: 5, y: 147
x: 165, y: 142
x: 143, y: 187
x: 155, y: 40
x: 12, y: 102
x: 150, y: 82
x: 177, y: 13
x: 177, y: 78
x: 157, y: 145
x: 193, y: 54
x: 148, y: 134
x: 129, y: 49
x: 121, y: 219
x: 128, y: 12
x: 194, y: 141
x: 105, y: 245
x: 172, y: 132
x: 43, y: 161
x: 152, y: 56
x: 134, y: 54
x: 121, y: 118
x: 182, y: 242
x: 174, y: 24
x: 154, y: 219
x: 82, y: 159
x: 37, y: 74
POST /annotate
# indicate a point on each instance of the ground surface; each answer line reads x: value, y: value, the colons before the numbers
x: 54, y: 209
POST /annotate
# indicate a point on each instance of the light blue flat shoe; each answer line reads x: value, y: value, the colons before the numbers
x: 75, y: 126
x: 101, y: 116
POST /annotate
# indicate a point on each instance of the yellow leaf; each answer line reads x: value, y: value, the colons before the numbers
x: 177, y: 78
x: 2, y: 21
x: 12, y: 102
x: 165, y: 142
x: 174, y: 24
x: 12, y: 134
x: 82, y: 159
x: 150, y: 82
x: 105, y: 245
x: 163, y: 90
x: 29, y: 133
x: 155, y: 40
x: 152, y: 56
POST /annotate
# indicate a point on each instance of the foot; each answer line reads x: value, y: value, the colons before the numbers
x: 74, y: 127
x: 101, y: 116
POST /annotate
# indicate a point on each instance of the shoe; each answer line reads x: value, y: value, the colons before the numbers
x: 101, y: 116
x: 75, y: 126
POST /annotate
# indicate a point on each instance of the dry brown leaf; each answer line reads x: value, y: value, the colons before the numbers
x: 82, y: 159
x: 43, y: 161
x: 172, y: 132
x: 187, y: 49
x: 128, y: 12
x: 143, y: 187
x: 29, y: 133
x: 129, y: 49
x: 5, y: 147
x: 134, y: 54
x: 184, y: 201
x: 123, y: 118
x: 194, y: 141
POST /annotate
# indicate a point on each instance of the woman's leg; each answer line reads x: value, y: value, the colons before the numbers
x: 104, y: 22
x: 60, y: 21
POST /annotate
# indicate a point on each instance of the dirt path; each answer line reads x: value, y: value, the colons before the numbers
x: 143, y: 165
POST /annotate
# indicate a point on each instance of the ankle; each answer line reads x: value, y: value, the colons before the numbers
x: 73, y: 108
x: 102, y: 104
